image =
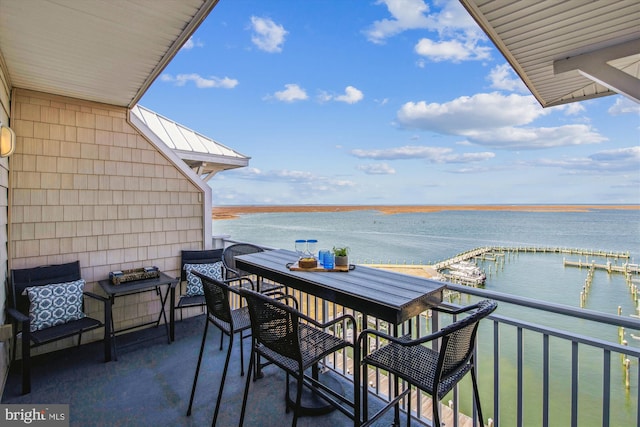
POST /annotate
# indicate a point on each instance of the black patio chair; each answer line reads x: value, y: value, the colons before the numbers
x: 230, y: 322
x: 46, y: 304
x: 294, y: 342
x: 233, y: 273
x: 434, y: 372
x: 189, y: 258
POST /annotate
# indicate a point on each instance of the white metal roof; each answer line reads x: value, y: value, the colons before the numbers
x: 204, y: 155
x: 104, y: 51
x: 566, y: 51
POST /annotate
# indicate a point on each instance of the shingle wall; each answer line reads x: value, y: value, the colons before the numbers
x: 85, y: 185
x: 4, y: 203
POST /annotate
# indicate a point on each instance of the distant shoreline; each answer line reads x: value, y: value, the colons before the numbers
x: 232, y: 212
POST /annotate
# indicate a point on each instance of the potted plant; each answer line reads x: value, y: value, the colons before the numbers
x: 341, y: 254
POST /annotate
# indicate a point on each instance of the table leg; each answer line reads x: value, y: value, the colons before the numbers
x: 172, y: 314
x: 311, y: 403
x: 108, y: 324
x: 113, y: 329
x: 163, y: 302
x: 396, y: 386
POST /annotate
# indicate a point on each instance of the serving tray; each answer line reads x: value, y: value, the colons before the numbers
x: 124, y: 276
x: 337, y: 269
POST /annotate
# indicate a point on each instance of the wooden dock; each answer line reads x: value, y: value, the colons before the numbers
x: 625, y: 268
x: 495, y: 253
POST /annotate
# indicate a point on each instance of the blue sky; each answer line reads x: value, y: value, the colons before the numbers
x: 387, y: 102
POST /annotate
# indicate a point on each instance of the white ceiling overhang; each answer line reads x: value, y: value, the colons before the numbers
x: 103, y: 51
x: 566, y: 51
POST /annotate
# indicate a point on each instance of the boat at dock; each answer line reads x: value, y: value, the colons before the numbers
x: 465, y: 272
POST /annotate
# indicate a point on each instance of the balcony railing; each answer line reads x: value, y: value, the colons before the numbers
x: 539, y: 363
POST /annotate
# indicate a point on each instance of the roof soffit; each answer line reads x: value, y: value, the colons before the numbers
x: 531, y: 35
x: 101, y: 51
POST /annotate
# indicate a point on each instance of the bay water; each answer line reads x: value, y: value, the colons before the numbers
x: 426, y: 238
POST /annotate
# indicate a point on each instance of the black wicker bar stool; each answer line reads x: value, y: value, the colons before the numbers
x: 229, y: 321
x: 434, y: 372
x: 294, y: 342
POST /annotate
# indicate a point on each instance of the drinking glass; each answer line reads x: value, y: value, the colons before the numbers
x: 301, y: 248
x: 328, y: 262
x: 312, y: 245
x: 322, y: 254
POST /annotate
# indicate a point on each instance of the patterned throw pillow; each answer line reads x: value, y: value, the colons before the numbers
x: 55, y: 304
x: 194, y: 284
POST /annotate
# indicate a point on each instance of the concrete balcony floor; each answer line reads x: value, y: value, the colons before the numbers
x: 150, y: 383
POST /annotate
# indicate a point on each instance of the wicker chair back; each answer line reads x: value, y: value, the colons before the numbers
x: 274, y: 325
x: 228, y: 258
x: 457, y: 347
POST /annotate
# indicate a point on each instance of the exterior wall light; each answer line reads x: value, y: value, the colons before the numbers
x: 7, y: 141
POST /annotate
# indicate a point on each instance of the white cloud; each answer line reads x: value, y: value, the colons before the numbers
x: 324, y: 96
x: 458, y: 33
x: 351, y: 95
x: 377, y: 169
x: 191, y: 43
x: 624, y: 105
x: 495, y: 120
x: 473, y: 170
x: 291, y: 93
x: 502, y: 77
x: 431, y: 154
x: 573, y: 109
x: 414, y: 14
x: 629, y: 154
x: 406, y: 15
x: 483, y: 110
x: 405, y: 152
x: 267, y: 35
x: 536, y: 137
x: 469, y: 157
x: 608, y: 161
x: 199, y: 81
x: 296, y: 178
x: 452, y: 50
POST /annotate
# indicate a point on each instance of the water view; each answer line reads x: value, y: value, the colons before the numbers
x: 426, y: 238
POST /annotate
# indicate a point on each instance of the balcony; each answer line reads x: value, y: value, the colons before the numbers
x: 535, y: 369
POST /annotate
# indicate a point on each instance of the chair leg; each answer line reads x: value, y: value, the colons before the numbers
x: 435, y: 404
x: 195, y: 377
x: 14, y: 343
x: 241, y: 352
x: 365, y: 393
x: 26, y: 362
x: 396, y: 407
x: 247, y: 382
x: 287, y: 397
x: 296, y: 410
x: 357, y: 389
x: 476, y: 394
x: 221, y: 341
x: 409, y: 406
x: 224, y: 376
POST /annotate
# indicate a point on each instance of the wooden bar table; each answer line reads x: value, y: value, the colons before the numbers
x: 387, y: 295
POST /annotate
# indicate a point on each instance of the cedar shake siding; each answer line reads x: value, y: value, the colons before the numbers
x: 86, y: 185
